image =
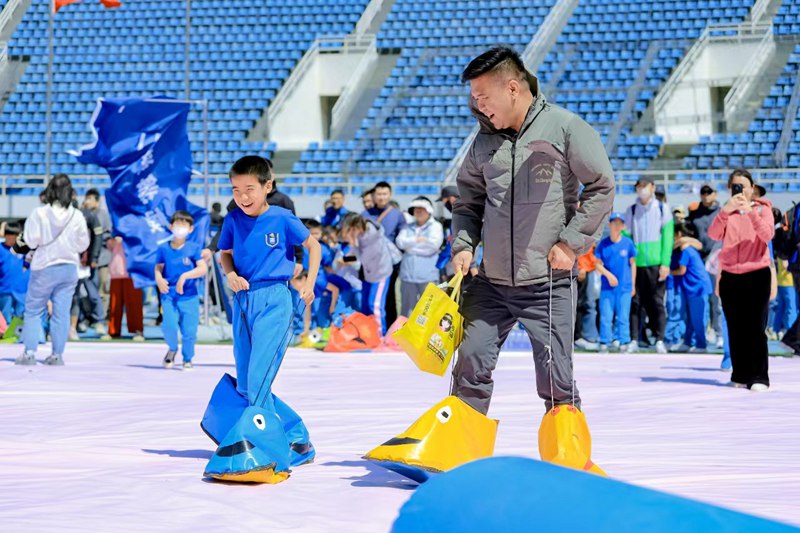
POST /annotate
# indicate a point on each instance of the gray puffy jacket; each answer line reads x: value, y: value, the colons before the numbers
x: 521, y: 192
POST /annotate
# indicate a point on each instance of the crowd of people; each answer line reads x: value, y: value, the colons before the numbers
x: 659, y: 278
x: 678, y: 280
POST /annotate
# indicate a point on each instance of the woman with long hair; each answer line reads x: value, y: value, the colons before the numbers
x: 745, y: 226
x: 58, y: 234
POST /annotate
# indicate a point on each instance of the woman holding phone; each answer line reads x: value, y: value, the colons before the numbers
x: 745, y: 226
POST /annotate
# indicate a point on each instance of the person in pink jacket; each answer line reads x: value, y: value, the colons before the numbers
x: 745, y: 226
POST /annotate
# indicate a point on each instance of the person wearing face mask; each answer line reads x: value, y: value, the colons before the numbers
x: 746, y: 226
x: 651, y: 226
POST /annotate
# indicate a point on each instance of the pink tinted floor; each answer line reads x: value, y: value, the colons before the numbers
x: 112, y: 442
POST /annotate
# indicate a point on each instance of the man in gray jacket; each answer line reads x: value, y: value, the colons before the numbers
x: 520, y: 187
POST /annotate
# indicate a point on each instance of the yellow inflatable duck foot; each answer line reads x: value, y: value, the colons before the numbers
x: 564, y: 439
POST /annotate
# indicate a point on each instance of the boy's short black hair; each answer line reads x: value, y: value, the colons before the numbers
x: 496, y: 59
x: 337, y: 191
x: 312, y: 224
x: 216, y: 207
x: 382, y: 185
x: 254, y: 165
x: 182, y: 216
x: 13, y: 227
x: 94, y: 193
x: 684, y: 229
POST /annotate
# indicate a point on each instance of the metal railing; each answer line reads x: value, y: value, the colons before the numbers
x: 789, y: 119
x: 7, y: 13
x: 372, y: 10
x: 740, y: 90
x: 737, y: 33
x: 354, y: 88
x: 3, y: 57
x: 758, y: 10
x: 632, y: 95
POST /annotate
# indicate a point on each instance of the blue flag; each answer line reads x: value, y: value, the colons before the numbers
x: 144, y: 147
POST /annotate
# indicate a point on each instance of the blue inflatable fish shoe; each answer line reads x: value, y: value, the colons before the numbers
x: 227, y: 405
x: 255, y: 450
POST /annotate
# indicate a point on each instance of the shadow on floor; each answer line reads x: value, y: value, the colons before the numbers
x: 692, y: 381
x: 185, y: 454
x: 375, y: 476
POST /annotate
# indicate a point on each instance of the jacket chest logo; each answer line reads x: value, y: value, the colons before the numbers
x: 272, y: 239
x: 187, y: 261
x: 543, y: 173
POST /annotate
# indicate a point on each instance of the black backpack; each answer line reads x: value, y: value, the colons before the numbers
x: 787, y: 239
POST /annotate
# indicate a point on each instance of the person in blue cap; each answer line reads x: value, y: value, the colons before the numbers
x: 616, y: 263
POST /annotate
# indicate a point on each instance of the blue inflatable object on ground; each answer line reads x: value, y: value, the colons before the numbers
x: 511, y: 494
x: 227, y: 407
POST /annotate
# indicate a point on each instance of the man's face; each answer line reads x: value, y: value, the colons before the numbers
x: 382, y: 197
x: 708, y: 198
x: 337, y: 200
x: 494, y: 96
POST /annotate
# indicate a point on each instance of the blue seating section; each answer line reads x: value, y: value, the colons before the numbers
x: 595, y: 70
x: 756, y: 147
x: 787, y: 20
x: 241, y: 52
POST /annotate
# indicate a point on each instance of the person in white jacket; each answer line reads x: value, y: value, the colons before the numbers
x: 58, y: 234
x: 420, y: 243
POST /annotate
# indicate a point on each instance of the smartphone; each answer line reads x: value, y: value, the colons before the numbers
x: 349, y: 259
x: 736, y: 188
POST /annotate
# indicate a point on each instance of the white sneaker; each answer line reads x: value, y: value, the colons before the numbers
x: 603, y: 348
x: 759, y: 387
x: 661, y: 347
x: 73, y: 335
x: 583, y: 344
x: 138, y: 338
x: 695, y: 349
x: 633, y: 347
x: 615, y: 346
x: 679, y: 348
x: 720, y: 344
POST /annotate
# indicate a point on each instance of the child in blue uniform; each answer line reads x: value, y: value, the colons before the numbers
x: 257, y: 255
x: 178, y: 265
x: 692, y: 280
x: 616, y: 263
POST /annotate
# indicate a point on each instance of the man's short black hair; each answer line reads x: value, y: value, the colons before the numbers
x: 94, y: 193
x: 13, y: 227
x: 382, y: 185
x: 183, y: 216
x: 497, y: 59
x: 337, y: 191
x: 254, y: 165
x: 216, y: 207
x: 311, y: 224
x: 368, y: 193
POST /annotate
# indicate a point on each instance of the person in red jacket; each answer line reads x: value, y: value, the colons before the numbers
x: 745, y: 226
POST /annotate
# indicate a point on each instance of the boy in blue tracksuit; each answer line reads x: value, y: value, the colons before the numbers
x: 257, y: 243
x: 178, y: 265
x: 13, y: 275
x: 258, y: 434
x: 692, y: 281
x: 616, y: 263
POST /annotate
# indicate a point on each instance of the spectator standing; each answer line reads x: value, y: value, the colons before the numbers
x: 123, y: 296
x: 420, y: 243
x: 651, y: 227
x: 335, y: 213
x: 745, y: 227
x: 58, y: 235
x: 100, y: 278
x: 700, y: 220
x: 693, y: 285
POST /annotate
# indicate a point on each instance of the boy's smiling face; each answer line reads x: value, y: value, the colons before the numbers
x: 249, y: 194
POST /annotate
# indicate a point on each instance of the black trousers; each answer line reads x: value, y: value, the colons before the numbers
x: 649, y: 300
x: 792, y: 336
x: 745, y: 302
x: 391, y: 300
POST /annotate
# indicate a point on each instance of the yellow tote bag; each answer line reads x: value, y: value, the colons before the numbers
x: 434, y: 329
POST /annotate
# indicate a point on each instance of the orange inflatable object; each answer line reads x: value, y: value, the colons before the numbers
x: 358, y: 332
x: 564, y: 439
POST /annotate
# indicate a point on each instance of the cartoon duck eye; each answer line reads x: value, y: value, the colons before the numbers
x: 259, y: 421
x: 444, y: 414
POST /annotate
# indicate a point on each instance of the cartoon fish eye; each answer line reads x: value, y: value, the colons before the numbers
x: 259, y: 421
x: 444, y: 414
